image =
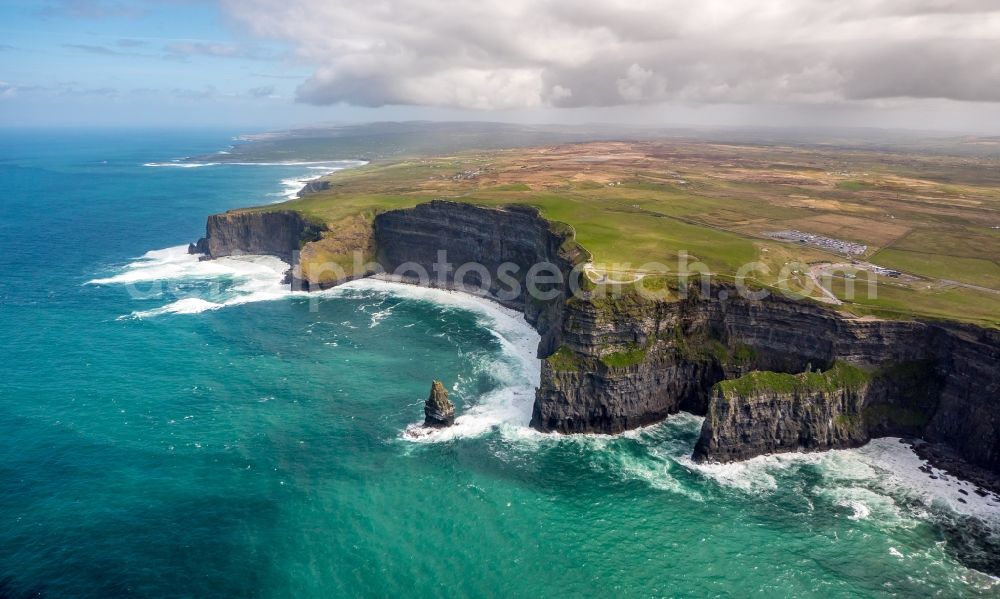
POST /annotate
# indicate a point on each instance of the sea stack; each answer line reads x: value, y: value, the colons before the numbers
x: 438, y: 411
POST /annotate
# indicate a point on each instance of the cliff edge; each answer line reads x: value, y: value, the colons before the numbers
x: 616, y: 363
x: 280, y: 233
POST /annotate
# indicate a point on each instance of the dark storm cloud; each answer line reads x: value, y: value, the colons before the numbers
x: 965, y: 70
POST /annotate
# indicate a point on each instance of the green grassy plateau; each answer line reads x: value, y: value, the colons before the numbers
x: 640, y: 207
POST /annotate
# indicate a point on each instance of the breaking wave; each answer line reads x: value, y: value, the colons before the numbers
x: 199, y: 285
x: 224, y: 282
x: 518, y: 373
x: 881, y: 484
x: 181, y: 164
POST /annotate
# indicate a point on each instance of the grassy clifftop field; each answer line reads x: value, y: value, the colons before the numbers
x: 926, y: 227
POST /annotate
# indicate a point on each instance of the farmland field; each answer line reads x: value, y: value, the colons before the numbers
x: 643, y: 205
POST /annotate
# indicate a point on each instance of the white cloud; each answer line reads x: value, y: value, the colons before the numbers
x: 497, y: 54
x: 7, y: 90
x: 560, y: 93
x: 641, y: 85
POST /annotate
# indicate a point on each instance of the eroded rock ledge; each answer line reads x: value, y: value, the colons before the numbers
x: 614, y: 364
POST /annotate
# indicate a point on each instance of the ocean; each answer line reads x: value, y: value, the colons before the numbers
x: 176, y: 428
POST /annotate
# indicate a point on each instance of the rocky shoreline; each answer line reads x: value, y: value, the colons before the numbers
x: 770, y: 375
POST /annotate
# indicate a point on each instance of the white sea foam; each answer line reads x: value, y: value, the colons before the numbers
x: 181, y: 164
x: 899, y: 469
x: 751, y: 476
x: 861, y: 511
x: 379, y: 315
x: 862, y: 501
x: 509, y: 405
x: 873, y: 478
x: 653, y: 469
x: 159, y: 273
x: 293, y: 185
x: 189, y: 305
x: 258, y: 278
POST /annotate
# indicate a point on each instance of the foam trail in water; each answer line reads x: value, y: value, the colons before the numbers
x: 316, y: 164
x: 259, y: 278
x: 252, y: 278
x: 180, y: 164
x: 866, y: 480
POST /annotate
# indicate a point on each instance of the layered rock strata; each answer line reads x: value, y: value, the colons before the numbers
x: 280, y: 233
x: 616, y: 363
x: 485, y: 251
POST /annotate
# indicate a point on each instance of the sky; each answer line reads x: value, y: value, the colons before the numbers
x: 916, y: 64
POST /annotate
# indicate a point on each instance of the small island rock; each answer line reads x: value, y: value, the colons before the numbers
x: 438, y: 411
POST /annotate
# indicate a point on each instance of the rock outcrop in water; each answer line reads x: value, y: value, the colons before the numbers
x: 439, y: 412
x: 612, y: 364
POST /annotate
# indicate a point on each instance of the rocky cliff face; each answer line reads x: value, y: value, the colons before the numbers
x: 967, y: 417
x: 277, y: 233
x: 740, y: 426
x: 611, y: 364
x: 619, y: 368
x: 766, y: 412
x: 628, y: 362
x: 414, y: 243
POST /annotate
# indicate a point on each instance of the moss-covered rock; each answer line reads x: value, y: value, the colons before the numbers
x: 630, y: 356
x: 841, y: 376
x: 565, y: 360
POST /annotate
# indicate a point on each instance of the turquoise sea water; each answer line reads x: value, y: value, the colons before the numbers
x: 184, y: 429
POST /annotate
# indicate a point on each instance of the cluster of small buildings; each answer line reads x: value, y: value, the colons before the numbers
x: 881, y: 270
x: 826, y: 243
x: 467, y: 175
